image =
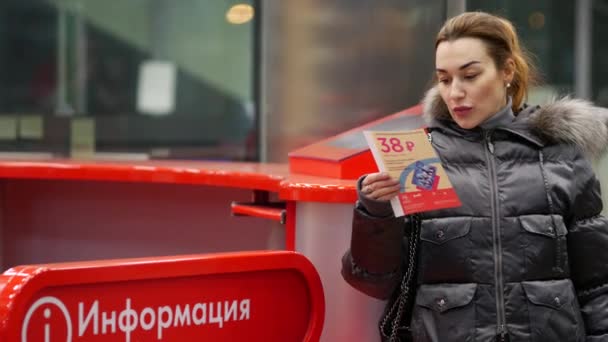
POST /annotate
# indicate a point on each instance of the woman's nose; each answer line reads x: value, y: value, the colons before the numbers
x: 456, y: 91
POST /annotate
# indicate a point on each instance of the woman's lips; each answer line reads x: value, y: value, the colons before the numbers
x: 462, y: 110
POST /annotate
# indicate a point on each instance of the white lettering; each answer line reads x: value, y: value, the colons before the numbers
x: 164, y: 317
x: 202, y: 308
x: 230, y: 310
x: 47, y: 333
x: 105, y: 321
x: 216, y: 318
x: 245, y: 304
x: 182, y: 317
x: 163, y: 324
x: 127, y: 320
x: 92, y: 315
x: 142, y: 318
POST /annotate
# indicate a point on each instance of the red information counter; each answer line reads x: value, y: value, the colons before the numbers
x: 254, y: 296
x: 79, y: 210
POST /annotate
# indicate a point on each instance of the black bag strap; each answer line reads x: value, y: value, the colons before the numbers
x: 395, y: 314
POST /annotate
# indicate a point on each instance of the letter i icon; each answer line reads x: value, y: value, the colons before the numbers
x: 47, y: 327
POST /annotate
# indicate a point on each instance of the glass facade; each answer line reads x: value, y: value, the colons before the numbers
x: 134, y: 79
x: 335, y: 65
x: 568, y: 39
x: 599, y: 64
x: 248, y: 79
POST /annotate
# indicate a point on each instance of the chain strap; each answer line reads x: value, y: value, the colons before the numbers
x: 406, y: 281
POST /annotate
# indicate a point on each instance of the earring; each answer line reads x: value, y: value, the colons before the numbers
x: 508, y: 85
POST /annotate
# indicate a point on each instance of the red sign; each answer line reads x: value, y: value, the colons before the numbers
x: 263, y: 296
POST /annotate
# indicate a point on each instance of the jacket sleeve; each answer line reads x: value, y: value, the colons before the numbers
x: 588, y: 251
x: 374, y: 262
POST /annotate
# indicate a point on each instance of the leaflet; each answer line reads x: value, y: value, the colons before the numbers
x: 409, y: 157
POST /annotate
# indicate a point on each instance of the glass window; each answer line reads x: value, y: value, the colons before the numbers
x: 599, y: 66
x: 599, y: 78
x: 548, y: 29
x: 335, y: 65
x: 128, y: 78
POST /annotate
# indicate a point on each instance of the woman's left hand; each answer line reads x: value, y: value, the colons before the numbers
x: 380, y: 186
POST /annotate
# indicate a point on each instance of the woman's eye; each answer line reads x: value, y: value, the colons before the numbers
x: 470, y: 77
x: 444, y: 80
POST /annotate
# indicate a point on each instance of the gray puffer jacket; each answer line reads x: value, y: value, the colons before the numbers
x: 526, y: 255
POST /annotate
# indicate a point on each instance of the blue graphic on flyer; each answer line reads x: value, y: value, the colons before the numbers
x: 424, y: 174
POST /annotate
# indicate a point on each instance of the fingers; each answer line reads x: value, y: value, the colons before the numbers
x: 374, y: 177
x: 380, y: 186
x: 388, y: 196
x: 383, y: 188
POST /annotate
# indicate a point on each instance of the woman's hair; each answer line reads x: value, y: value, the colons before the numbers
x: 501, y: 41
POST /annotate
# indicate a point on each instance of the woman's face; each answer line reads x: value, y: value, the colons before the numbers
x: 469, y: 83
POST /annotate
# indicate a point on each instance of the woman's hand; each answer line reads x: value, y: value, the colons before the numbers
x: 379, y: 186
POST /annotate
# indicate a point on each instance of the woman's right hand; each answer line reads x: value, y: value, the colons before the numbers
x: 380, y: 186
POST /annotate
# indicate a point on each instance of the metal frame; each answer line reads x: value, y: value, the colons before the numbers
x: 583, y: 48
x: 258, y: 84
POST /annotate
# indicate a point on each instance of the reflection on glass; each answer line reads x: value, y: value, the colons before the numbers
x: 548, y: 30
x: 339, y: 64
x: 156, y: 78
x: 240, y: 14
x: 599, y: 64
x: 599, y: 79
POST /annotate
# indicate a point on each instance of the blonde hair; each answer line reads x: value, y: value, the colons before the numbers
x: 501, y: 40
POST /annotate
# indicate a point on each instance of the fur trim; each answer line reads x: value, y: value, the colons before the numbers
x: 574, y: 121
x: 433, y: 107
x: 564, y: 120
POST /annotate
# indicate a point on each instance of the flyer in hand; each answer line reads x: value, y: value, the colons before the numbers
x: 408, y: 156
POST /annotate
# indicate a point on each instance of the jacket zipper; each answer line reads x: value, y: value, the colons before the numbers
x: 497, y: 245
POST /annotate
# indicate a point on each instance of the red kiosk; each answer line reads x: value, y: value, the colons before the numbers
x: 68, y: 210
x: 255, y: 296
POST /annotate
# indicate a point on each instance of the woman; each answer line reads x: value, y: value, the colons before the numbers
x: 525, y: 258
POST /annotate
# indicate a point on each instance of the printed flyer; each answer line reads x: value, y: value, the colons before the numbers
x: 408, y: 156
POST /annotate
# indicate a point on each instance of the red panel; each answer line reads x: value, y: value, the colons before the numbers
x: 269, y: 177
x: 238, y: 175
x: 257, y: 296
x: 318, y: 189
x: 349, y: 168
x: 327, y: 160
x: 45, y: 221
x: 358, y: 165
x: 323, y: 168
x: 321, y: 149
x: 335, y: 169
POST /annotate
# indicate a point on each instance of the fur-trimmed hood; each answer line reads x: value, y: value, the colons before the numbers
x: 564, y: 120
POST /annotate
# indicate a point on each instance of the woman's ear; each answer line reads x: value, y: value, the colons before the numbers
x: 509, y: 70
